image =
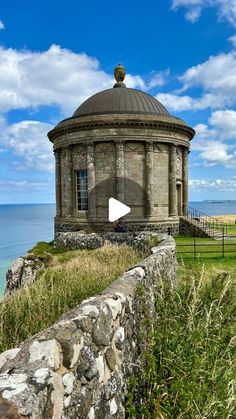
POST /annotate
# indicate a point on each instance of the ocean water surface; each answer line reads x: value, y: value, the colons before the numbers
x: 214, y: 207
x: 22, y: 226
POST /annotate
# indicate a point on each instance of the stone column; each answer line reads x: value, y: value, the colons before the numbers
x: 58, y: 181
x: 120, y: 171
x: 91, y: 181
x: 185, y: 179
x: 67, y: 173
x: 149, y: 180
x: 172, y: 181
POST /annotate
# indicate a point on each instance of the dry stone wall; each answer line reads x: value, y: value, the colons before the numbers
x: 79, y: 367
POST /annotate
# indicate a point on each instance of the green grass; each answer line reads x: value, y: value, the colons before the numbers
x: 229, y: 229
x: 71, y: 277
x: 203, y: 246
x: 189, y: 368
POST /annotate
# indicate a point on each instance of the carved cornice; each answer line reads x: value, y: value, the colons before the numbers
x: 58, y: 131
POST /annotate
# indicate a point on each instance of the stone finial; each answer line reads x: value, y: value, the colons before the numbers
x: 119, y: 73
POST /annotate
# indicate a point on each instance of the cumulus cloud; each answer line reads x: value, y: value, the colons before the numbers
x: 228, y: 185
x: 217, y: 74
x: 216, y: 77
x: 232, y: 39
x: 176, y: 103
x: 2, y: 26
x: 193, y: 14
x: 226, y: 9
x: 26, y: 184
x: 28, y: 142
x: 158, y: 79
x: 57, y: 76
x: 214, y: 141
x: 225, y: 122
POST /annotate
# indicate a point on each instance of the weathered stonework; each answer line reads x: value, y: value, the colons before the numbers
x: 79, y: 367
x: 189, y: 228
x: 74, y: 240
x: 121, y: 134
x: 74, y: 225
x: 23, y: 271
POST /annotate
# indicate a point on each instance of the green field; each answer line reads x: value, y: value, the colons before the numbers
x: 206, y: 249
x: 229, y: 229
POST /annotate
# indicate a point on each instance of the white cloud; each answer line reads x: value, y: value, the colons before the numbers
x: 2, y: 26
x: 130, y: 81
x: 228, y: 185
x: 193, y: 14
x: 217, y: 153
x: 225, y: 122
x: 158, y: 79
x: 216, y: 77
x: 176, y: 103
x: 217, y: 74
x: 214, y: 142
x: 226, y: 9
x: 232, y: 39
x: 55, y: 77
x: 205, y: 138
x: 28, y: 142
x: 25, y: 184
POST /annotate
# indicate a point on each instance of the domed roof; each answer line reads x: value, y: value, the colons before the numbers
x: 120, y: 100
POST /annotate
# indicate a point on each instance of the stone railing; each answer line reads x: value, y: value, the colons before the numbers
x: 79, y: 367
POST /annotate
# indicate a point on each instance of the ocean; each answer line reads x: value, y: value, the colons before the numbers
x: 22, y: 226
x: 213, y: 207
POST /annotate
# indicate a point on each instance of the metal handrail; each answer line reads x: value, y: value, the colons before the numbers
x: 209, y: 224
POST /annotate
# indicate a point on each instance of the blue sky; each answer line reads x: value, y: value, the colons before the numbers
x: 54, y: 54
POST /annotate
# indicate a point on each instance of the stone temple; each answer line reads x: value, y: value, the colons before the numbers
x: 117, y: 136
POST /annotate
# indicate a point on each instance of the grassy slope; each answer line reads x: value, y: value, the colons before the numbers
x: 189, y: 368
x: 70, y: 277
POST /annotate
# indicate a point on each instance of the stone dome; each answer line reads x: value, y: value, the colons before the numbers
x: 121, y: 101
x: 119, y: 135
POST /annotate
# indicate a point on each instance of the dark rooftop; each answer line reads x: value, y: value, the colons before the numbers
x: 120, y: 101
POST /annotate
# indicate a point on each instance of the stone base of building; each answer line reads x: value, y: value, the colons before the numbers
x: 170, y: 226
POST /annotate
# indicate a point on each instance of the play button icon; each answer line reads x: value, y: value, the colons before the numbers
x: 106, y: 205
x: 116, y: 210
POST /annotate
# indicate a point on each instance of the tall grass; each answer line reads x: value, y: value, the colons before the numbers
x: 189, y: 370
x: 72, y: 277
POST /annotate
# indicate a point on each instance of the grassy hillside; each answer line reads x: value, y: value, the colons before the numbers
x: 71, y: 277
x: 189, y: 369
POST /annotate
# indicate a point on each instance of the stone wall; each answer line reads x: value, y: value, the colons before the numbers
x: 76, y: 240
x: 189, y: 228
x: 79, y: 367
x: 65, y: 225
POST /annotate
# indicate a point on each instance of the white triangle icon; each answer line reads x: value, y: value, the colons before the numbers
x: 117, y: 210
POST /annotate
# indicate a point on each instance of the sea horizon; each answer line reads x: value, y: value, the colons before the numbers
x: 22, y: 225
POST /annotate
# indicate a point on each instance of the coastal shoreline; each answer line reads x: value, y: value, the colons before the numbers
x: 229, y: 218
